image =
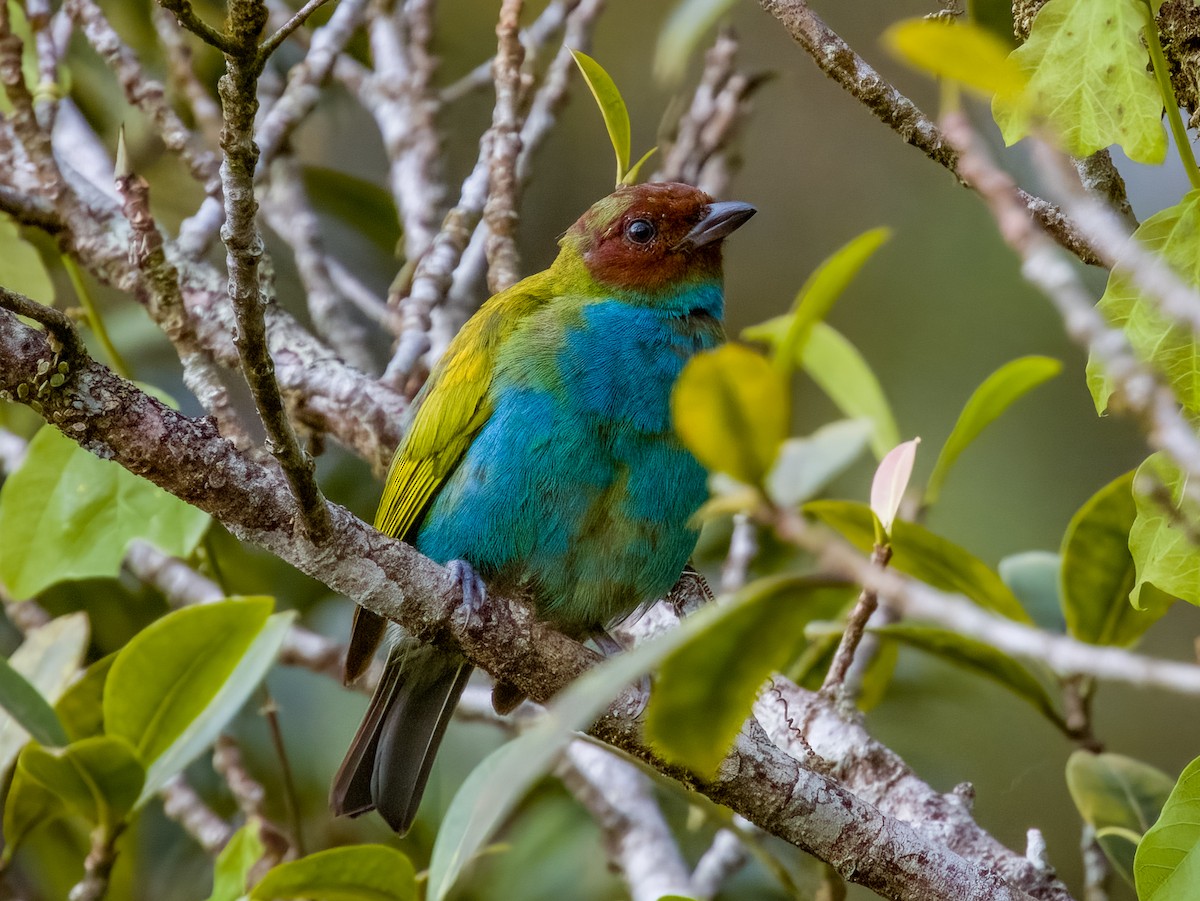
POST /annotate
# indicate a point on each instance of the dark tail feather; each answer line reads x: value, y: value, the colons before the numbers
x: 392, y: 753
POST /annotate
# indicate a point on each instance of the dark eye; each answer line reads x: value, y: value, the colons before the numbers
x: 641, y: 231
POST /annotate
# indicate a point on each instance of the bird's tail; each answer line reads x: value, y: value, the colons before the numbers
x: 389, y: 759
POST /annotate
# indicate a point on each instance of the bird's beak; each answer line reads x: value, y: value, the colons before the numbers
x: 720, y: 220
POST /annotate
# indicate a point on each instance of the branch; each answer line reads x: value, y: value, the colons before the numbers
x: 271, y: 44
x: 500, y: 211
x: 189, y: 20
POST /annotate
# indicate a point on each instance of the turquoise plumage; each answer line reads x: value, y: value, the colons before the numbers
x: 542, y: 455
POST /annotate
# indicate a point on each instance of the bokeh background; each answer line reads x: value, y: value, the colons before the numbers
x: 940, y: 307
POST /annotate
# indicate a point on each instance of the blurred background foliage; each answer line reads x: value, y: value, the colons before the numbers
x: 940, y: 307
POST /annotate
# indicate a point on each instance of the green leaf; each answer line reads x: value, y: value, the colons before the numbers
x: 681, y: 34
x: 997, y: 393
x: 1033, y: 576
x: 730, y: 409
x: 822, y: 289
x: 97, y: 778
x: 959, y: 51
x: 704, y: 689
x: 48, y: 659
x: 1174, y: 235
x: 843, y: 374
x: 1098, y: 572
x: 612, y: 108
x: 1120, y: 847
x: 26, y: 705
x: 81, y: 707
x: 806, y: 465
x: 1087, y: 70
x: 921, y: 553
x: 1164, y: 554
x: 232, y: 870
x: 1167, y: 865
x: 360, y: 204
x: 27, y: 806
x: 982, y: 659
x: 21, y: 268
x: 631, y: 177
x: 182, y: 678
x: 350, y: 873
x: 66, y: 514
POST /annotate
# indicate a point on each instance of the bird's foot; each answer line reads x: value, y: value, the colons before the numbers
x: 474, y: 591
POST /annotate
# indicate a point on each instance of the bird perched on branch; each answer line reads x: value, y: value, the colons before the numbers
x: 541, y: 458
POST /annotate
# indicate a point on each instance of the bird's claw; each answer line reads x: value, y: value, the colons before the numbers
x: 474, y: 591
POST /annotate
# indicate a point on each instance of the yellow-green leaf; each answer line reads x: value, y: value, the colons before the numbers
x: 959, y: 51
x: 1167, y: 865
x: 349, y: 873
x: 1164, y: 554
x: 680, y: 36
x: 98, y: 778
x: 236, y: 860
x: 631, y: 177
x: 1173, y: 234
x: 1088, y: 75
x: 729, y: 407
x: 996, y: 393
x: 612, y: 108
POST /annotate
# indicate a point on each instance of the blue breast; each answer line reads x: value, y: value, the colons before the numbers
x: 576, y: 485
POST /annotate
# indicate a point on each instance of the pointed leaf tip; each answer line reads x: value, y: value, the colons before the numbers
x: 612, y: 108
x: 891, y: 481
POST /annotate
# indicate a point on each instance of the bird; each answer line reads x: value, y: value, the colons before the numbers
x: 541, y: 458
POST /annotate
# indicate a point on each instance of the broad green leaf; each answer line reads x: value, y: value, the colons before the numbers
x: 27, y: 806
x: 362, y: 205
x: 843, y: 374
x: 612, y: 108
x: 980, y: 658
x: 1098, y: 572
x: 97, y: 778
x: 1173, y: 234
x: 1114, y: 792
x: 21, y: 268
x: 704, y: 690
x: 730, y: 409
x: 1166, y: 866
x: 81, y: 707
x: 236, y: 860
x: 1088, y: 75
x: 806, y: 465
x: 349, y: 873
x: 997, y: 393
x: 1033, y: 576
x: 959, y: 51
x: 48, y: 658
x: 25, y: 704
x: 179, y: 680
x: 1164, y: 555
x: 921, y: 553
x: 822, y: 289
x: 681, y: 34
x: 891, y: 481
x: 66, y: 514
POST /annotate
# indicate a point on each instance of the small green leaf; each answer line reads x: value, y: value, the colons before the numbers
x: 1164, y: 555
x: 982, y: 659
x: 822, y: 289
x: 48, y: 659
x: 27, y: 806
x: 631, y: 177
x: 26, y: 705
x: 350, y: 873
x: 232, y: 870
x: 97, y: 778
x: 921, y: 553
x: 1033, y: 576
x: 704, y: 690
x: 179, y: 680
x: 730, y: 409
x: 1088, y: 75
x: 843, y: 374
x: 21, y: 268
x: 81, y: 706
x: 612, y: 108
x: 1173, y: 235
x: 997, y: 393
x: 67, y: 514
x: 959, y: 51
x: 1098, y: 572
x: 1167, y: 865
x: 806, y: 465
x: 681, y: 34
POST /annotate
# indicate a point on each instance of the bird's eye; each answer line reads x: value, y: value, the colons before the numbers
x: 641, y: 231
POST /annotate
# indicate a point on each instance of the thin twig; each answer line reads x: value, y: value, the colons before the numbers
x: 868, y: 600
x: 500, y: 211
x: 267, y: 47
x: 188, y: 19
x: 98, y: 865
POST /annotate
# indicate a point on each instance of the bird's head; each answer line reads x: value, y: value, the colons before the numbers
x: 646, y: 239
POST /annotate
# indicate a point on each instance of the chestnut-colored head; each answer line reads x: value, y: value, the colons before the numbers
x: 647, y: 238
